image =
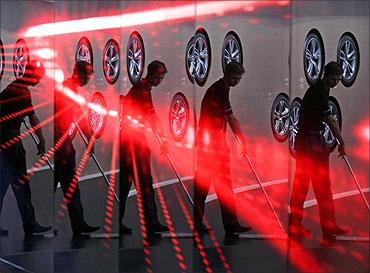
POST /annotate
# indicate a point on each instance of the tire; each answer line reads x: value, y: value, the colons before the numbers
x: 179, y: 116
x: 348, y: 55
x: 202, y: 49
x: 84, y: 51
x: 280, y: 117
x: 313, y: 57
x: 135, y: 57
x: 295, y: 107
x: 327, y: 134
x: 111, y: 61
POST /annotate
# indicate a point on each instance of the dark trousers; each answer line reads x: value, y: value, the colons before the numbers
x: 13, y: 171
x: 135, y: 148
x: 312, y: 165
x: 65, y: 170
x: 214, y: 166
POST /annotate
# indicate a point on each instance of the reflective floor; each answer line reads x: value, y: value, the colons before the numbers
x: 216, y: 253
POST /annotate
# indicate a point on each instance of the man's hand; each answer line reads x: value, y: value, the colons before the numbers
x: 341, y: 149
x: 41, y: 148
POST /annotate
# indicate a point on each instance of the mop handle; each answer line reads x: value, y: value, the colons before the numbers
x: 37, y: 143
x: 354, y: 178
x: 97, y: 164
x: 173, y: 167
x: 245, y: 155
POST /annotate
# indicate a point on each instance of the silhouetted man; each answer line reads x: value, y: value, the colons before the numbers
x: 213, y: 159
x: 65, y: 156
x: 16, y: 100
x: 312, y: 157
x: 134, y: 151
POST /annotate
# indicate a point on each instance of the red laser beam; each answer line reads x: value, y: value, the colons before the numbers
x: 125, y: 20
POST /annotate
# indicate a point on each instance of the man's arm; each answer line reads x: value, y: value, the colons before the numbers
x: 35, y: 123
x: 334, y: 127
x: 236, y: 128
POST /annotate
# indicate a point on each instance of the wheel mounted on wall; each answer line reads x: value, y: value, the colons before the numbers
x: 2, y: 59
x: 21, y: 57
x: 313, y: 57
x: 295, y: 107
x: 135, y: 57
x: 84, y: 51
x: 97, y: 117
x: 111, y: 61
x: 202, y: 54
x: 348, y: 55
x: 179, y: 116
x: 232, y: 50
x: 280, y: 117
x: 327, y: 134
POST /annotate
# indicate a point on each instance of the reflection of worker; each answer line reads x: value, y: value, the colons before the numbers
x: 16, y: 100
x: 134, y: 152
x: 65, y: 156
x: 213, y: 159
x: 312, y: 156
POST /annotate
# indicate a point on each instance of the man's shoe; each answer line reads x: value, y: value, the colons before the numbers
x: 202, y: 229
x: 299, y: 232
x: 84, y: 229
x: 156, y: 228
x: 4, y: 232
x: 35, y: 228
x: 236, y: 229
x: 340, y: 231
x: 327, y: 240
x: 123, y: 229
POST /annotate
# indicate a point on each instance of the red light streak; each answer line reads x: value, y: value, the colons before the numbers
x: 125, y: 20
x: 167, y: 216
x: 197, y: 239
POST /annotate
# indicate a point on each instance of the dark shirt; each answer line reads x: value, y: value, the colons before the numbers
x: 15, y: 99
x: 63, y: 121
x: 214, y: 109
x: 314, y: 108
x: 138, y: 105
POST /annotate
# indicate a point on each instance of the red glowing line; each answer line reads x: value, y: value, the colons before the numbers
x: 140, y: 203
x: 73, y: 184
x: 112, y: 180
x: 29, y: 131
x: 167, y: 216
x: 146, y: 17
x: 25, y: 110
x: 197, y: 239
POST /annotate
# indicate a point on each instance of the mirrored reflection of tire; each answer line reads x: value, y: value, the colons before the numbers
x: 84, y: 51
x: 280, y: 117
x: 72, y: 131
x: 97, y: 116
x: 111, y: 61
x: 295, y: 107
x: 202, y: 53
x: 190, y: 62
x: 135, y: 59
x: 179, y: 116
x: 328, y: 135
x: 348, y: 55
x: 21, y: 57
x: 231, y: 50
x: 313, y: 57
x: 2, y: 59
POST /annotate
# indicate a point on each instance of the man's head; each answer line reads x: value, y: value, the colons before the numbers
x: 156, y: 72
x: 233, y: 73
x: 82, y: 70
x: 33, y: 73
x: 332, y: 74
